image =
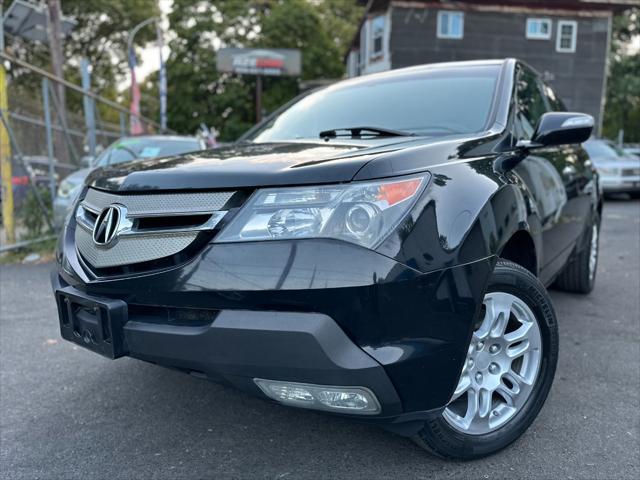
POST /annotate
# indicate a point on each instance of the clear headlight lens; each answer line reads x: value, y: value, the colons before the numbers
x: 68, y: 189
x: 362, y: 213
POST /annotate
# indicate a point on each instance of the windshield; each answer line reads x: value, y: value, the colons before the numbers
x: 129, y: 149
x: 599, y: 148
x: 427, y: 102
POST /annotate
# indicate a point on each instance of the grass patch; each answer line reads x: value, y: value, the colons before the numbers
x: 44, y: 248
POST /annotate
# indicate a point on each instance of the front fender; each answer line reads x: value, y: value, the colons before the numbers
x: 468, y: 212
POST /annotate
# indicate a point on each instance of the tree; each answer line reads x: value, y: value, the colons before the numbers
x: 198, y: 93
x: 100, y: 35
x: 341, y: 19
x: 622, y: 110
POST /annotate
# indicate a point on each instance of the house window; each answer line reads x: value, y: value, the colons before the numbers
x: 450, y: 24
x: 539, y: 28
x: 377, y: 37
x: 567, y: 36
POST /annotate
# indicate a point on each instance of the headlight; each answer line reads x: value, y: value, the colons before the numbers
x: 609, y: 171
x: 68, y: 189
x: 362, y: 213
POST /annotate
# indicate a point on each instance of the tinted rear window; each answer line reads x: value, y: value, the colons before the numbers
x: 432, y: 102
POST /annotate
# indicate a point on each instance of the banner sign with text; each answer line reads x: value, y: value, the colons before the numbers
x: 259, y: 61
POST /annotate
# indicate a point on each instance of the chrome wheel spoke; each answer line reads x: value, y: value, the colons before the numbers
x: 509, y: 393
x: 463, y: 386
x: 593, y: 252
x: 520, y: 379
x: 497, y: 312
x: 517, y: 349
x: 472, y: 407
x: 519, y: 334
x: 484, y: 402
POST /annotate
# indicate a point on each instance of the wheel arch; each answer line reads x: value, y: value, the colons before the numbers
x: 520, y: 248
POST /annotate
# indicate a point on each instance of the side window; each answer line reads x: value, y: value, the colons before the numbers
x: 530, y: 104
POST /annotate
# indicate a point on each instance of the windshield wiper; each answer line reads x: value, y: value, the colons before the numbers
x: 357, y: 132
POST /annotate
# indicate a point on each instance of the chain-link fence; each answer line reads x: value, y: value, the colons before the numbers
x: 47, y: 140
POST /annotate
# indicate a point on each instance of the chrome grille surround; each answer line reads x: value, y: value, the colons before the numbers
x: 135, y: 245
x: 148, y: 205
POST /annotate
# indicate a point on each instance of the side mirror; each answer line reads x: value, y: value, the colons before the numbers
x: 560, y: 128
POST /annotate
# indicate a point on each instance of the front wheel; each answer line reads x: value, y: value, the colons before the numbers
x: 579, y: 275
x: 507, y: 373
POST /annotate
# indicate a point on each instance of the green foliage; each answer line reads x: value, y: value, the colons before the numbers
x: 198, y: 93
x: 623, y: 85
x: 31, y: 214
x: 100, y: 35
x: 341, y: 19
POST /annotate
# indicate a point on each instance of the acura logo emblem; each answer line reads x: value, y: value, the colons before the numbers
x: 108, y: 224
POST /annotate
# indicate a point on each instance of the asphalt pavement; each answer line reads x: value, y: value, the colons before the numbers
x: 68, y: 413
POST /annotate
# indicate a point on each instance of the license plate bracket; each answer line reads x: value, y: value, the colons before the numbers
x: 91, y: 322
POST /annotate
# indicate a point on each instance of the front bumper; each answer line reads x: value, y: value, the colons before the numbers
x: 313, y: 311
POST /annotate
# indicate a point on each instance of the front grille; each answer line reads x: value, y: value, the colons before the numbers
x: 131, y: 250
x: 153, y: 226
x: 630, y: 172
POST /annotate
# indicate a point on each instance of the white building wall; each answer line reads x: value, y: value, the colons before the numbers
x: 361, y: 62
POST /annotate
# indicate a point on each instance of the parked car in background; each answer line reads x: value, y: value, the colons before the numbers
x: 126, y: 149
x: 632, y: 150
x: 378, y: 249
x: 619, y: 170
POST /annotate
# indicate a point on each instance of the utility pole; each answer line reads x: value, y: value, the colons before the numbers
x: 5, y: 152
x: 55, y: 45
x: 89, y: 112
x: 258, y: 98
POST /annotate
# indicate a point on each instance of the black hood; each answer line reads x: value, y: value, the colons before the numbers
x: 266, y: 164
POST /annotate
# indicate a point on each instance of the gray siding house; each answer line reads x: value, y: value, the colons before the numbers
x: 565, y: 40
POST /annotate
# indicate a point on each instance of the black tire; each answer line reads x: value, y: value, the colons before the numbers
x: 439, y: 438
x: 576, y: 276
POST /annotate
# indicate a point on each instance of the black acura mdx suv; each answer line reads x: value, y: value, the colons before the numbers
x: 377, y: 249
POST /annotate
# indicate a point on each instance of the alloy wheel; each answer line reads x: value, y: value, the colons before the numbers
x: 593, y: 252
x: 501, y: 367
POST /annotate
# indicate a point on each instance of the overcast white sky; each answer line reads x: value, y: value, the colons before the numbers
x: 150, y: 57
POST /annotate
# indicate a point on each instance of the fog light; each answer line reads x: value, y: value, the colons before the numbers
x: 358, y: 400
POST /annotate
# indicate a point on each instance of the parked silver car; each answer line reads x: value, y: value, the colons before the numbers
x: 633, y: 150
x: 619, y: 171
x: 123, y: 150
